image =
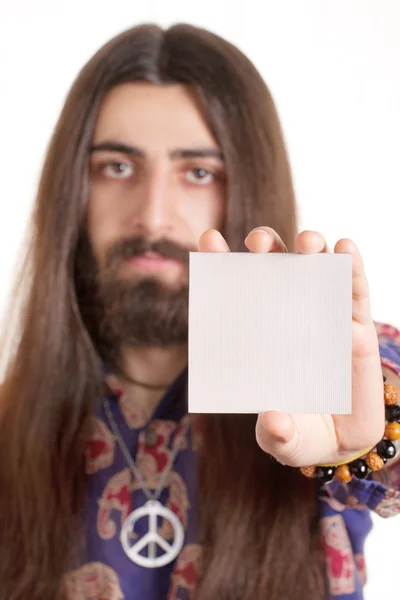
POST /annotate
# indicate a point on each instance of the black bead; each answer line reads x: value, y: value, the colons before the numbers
x: 393, y: 413
x: 359, y: 468
x: 386, y: 449
x: 325, y: 474
x: 384, y: 379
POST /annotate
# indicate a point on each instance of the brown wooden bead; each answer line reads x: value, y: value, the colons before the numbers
x: 392, y: 431
x: 343, y: 474
x: 391, y: 394
x: 374, y: 461
x: 309, y: 471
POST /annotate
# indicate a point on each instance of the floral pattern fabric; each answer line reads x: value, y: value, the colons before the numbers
x: 108, y: 574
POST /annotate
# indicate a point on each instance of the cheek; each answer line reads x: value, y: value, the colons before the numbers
x: 100, y: 229
x: 207, y: 211
x: 92, y: 226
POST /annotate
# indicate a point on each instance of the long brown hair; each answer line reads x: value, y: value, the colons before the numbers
x: 258, y: 519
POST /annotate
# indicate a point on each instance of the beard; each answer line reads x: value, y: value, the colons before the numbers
x: 131, y: 311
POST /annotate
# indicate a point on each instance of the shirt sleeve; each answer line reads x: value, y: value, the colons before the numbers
x: 381, y: 491
x: 389, y: 346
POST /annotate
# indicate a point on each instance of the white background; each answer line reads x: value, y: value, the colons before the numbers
x: 334, y: 71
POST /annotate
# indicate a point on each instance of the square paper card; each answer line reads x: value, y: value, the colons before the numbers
x: 270, y: 331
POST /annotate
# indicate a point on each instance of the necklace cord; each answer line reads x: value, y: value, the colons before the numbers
x: 148, y: 386
x: 135, y: 470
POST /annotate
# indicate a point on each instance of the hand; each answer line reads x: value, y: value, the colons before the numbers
x: 303, y: 440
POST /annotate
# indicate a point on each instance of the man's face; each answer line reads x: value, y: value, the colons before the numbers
x: 157, y: 181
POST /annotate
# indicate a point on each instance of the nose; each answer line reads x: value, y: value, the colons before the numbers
x: 152, y: 213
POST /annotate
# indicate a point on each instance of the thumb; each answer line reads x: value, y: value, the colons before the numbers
x: 277, y: 434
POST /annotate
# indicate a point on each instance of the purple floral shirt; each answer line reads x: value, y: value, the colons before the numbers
x: 108, y: 574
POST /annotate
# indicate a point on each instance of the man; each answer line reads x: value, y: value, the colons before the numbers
x: 109, y: 489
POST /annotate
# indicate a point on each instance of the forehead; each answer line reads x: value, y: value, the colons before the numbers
x: 153, y: 116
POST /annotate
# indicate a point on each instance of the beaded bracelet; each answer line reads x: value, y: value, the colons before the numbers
x: 376, y: 457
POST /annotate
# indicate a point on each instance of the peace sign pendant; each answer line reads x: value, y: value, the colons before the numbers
x: 152, y: 509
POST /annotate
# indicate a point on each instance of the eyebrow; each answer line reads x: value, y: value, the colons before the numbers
x: 176, y: 154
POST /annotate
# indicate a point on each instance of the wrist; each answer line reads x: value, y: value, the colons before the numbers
x: 370, y: 459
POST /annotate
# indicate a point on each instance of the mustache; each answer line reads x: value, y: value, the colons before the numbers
x: 133, y: 247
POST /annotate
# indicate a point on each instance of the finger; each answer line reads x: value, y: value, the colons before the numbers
x: 360, y: 287
x: 212, y: 241
x: 264, y: 239
x: 310, y: 242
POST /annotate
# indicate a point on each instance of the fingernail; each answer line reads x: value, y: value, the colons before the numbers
x: 266, y: 242
x: 266, y: 239
x: 264, y: 229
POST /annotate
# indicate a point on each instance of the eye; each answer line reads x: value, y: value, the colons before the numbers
x: 117, y: 170
x: 201, y: 176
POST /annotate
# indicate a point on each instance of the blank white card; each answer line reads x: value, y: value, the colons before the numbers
x: 270, y: 331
